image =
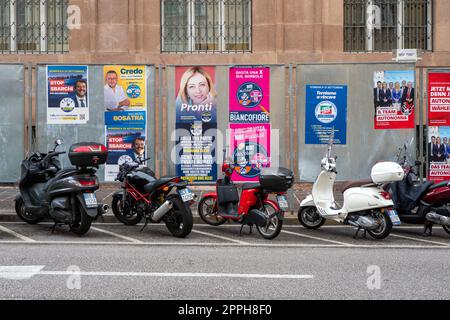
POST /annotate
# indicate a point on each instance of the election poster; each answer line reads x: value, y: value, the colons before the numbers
x: 196, y: 124
x: 394, y: 99
x: 125, y: 88
x: 250, y: 149
x: 125, y: 140
x: 438, y: 153
x: 250, y: 95
x: 67, y: 95
x: 439, y: 99
x: 326, y: 113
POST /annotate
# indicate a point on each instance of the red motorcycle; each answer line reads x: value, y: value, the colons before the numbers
x: 253, y: 207
x: 425, y: 203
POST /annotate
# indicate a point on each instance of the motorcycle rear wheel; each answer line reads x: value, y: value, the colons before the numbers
x: 83, y: 223
x: 207, y: 210
x: 385, y: 227
x: 179, y: 220
x: 125, y: 215
x: 273, y: 228
x: 24, y: 215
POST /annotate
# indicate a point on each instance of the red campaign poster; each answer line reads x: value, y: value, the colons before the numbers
x: 394, y: 99
x: 439, y: 99
x: 438, y: 126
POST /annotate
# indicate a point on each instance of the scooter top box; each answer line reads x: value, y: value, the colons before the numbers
x: 88, y: 154
x: 276, y: 179
x: 385, y: 172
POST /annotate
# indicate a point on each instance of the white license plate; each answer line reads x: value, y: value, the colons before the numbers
x: 394, y: 217
x: 282, y: 202
x: 90, y: 199
x: 187, y: 195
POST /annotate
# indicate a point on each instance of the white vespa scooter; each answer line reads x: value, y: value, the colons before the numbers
x: 366, y: 205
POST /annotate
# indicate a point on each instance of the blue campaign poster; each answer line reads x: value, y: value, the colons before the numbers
x: 326, y: 108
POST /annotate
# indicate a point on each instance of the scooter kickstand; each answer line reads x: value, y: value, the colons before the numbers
x: 53, y: 228
x: 251, y: 230
x: 145, y: 225
x: 428, y: 229
x: 240, y: 231
x: 357, y: 232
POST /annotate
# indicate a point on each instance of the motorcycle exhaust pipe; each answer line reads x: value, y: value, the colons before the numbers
x: 162, y: 211
x: 102, y: 209
x: 438, y: 219
x: 364, y: 223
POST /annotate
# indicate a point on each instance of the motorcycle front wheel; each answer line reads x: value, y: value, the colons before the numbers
x: 385, y: 225
x: 24, y: 215
x: 124, y: 212
x: 274, y: 224
x: 207, y: 210
x: 179, y: 220
x: 310, y: 218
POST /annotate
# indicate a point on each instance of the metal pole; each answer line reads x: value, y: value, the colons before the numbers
x: 421, y: 136
x: 291, y: 117
x: 30, y: 107
x: 160, y: 119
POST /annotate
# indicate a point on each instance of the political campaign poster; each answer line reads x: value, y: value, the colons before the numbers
x: 125, y: 139
x: 249, y: 95
x: 125, y: 88
x: 394, y: 99
x: 250, y: 150
x: 438, y: 153
x: 196, y: 124
x: 439, y: 99
x: 67, y: 95
x: 326, y: 113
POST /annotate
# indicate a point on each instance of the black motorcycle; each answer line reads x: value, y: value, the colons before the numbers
x: 65, y: 196
x: 157, y: 200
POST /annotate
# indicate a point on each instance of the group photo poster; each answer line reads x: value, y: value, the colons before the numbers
x: 250, y: 150
x: 125, y: 88
x: 196, y: 123
x: 394, y: 99
x: 438, y: 153
x: 125, y: 140
x: 439, y: 99
x: 249, y: 95
x: 67, y: 95
x: 326, y: 113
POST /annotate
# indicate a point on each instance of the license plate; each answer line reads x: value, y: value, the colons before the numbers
x: 282, y: 202
x: 90, y: 199
x: 187, y: 195
x: 394, y: 217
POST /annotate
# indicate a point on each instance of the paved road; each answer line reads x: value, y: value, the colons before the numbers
x: 117, y: 262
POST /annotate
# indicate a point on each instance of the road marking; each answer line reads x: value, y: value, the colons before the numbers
x: 11, y: 197
x: 116, y: 235
x: 109, y: 195
x: 420, y: 240
x: 15, y: 234
x: 176, y: 275
x: 317, y: 238
x: 220, y: 237
x: 19, y: 272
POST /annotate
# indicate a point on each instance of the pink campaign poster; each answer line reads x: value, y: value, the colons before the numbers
x: 250, y: 150
x: 250, y: 95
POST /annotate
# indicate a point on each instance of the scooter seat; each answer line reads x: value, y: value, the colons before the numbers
x: 249, y: 186
x: 439, y: 185
x: 355, y: 184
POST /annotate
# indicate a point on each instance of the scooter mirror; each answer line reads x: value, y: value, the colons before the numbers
x: 58, y: 142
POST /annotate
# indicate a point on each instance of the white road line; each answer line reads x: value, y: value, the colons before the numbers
x: 11, y: 197
x: 116, y: 235
x: 109, y: 195
x: 317, y: 238
x: 420, y: 240
x: 15, y: 234
x: 220, y: 237
x: 19, y: 272
x: 224, y: 245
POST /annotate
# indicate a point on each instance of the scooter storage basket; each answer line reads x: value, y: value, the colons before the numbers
x: 276, y: 179
x: 88, y: 154
x: 227, y: 194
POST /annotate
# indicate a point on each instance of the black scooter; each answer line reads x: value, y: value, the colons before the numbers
x: 65, y: 196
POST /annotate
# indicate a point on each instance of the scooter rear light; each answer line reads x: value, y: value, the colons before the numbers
x: 386, y: 195
x: 87, y: 183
